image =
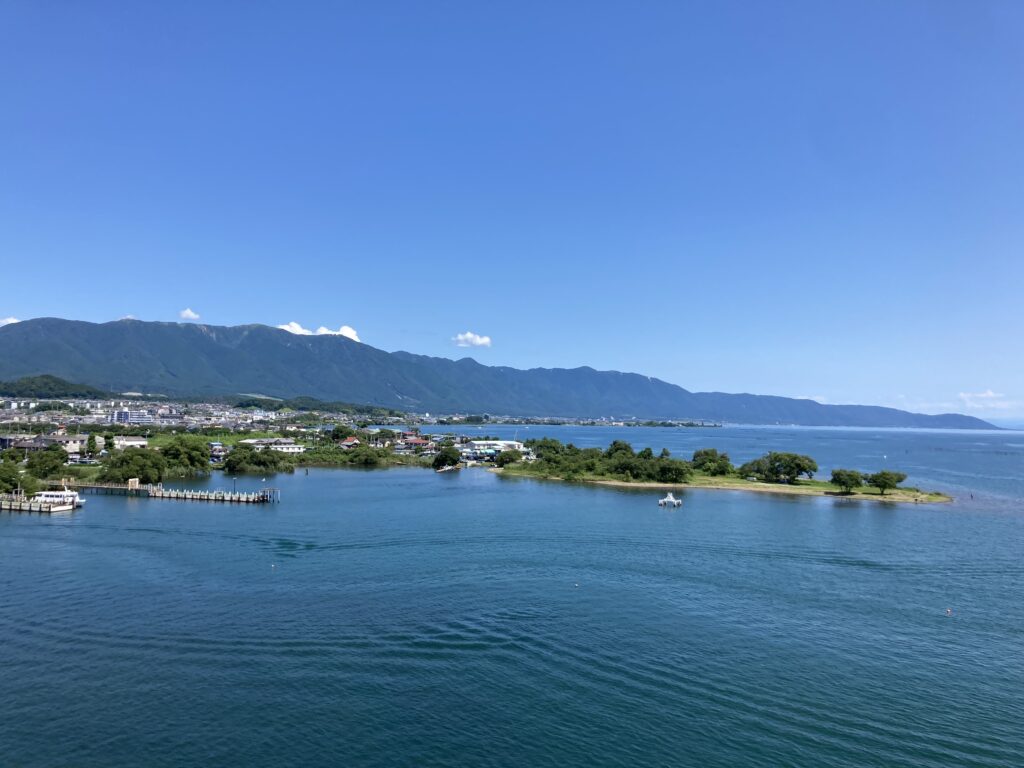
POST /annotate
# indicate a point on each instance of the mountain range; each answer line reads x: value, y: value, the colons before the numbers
x: 188, y: 359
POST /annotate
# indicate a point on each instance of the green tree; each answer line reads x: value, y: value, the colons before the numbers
x: 11, y: 479
x: 847, y: 479
x: 886, y: 480
x: 672, y: 471
x: 553, y: 459
x: 190, y: 454
x: 778, y: 467
x: 143, y: 463
x: 546, y: 447
x: 240, y: 459
x: 795, y: 464
x: 340, y: 432
x: 508, y: 457
x: 246, y: 459
x: 363, y: 456
x: 619, y: 448
x: 626, y: 465
x: 90, y: 446
x: 47, y: 463
x: 711, y: 462
x: 447, y: 457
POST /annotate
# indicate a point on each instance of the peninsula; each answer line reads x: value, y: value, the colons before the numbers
x: 117, y: 441
x: 775, y: 472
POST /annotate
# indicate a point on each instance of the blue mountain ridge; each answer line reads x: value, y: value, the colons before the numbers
x: 187, y: 359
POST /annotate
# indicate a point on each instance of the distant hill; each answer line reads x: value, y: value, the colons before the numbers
x: 191, y: 359
x: 48, y: 387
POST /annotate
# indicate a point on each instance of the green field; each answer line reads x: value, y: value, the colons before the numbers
x: 163, y: 439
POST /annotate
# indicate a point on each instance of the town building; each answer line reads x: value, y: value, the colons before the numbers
x: 125, y: 416
x: 279, y: 444
x: 129, y: 441
x: 73, y: 444
x: 484, y: 450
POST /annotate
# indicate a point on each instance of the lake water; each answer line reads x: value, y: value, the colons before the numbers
x: 401, y: 617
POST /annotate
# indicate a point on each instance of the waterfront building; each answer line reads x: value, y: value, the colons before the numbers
x: 483, y: 450
x: 279, y: 444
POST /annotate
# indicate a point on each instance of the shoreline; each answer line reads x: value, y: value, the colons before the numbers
x: 898, y: 496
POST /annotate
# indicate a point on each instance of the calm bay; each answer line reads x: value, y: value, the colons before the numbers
x: 401, y: 617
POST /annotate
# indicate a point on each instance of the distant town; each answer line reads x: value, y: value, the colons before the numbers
x: 248, y: 415
x: 31, y: 425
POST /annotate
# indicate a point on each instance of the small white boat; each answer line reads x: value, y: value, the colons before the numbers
x: 449, y: 468
x: 670, y: 501
x: 59, y: 498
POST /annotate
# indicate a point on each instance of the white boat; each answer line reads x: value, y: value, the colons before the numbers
x: 670, y: 501
x: 59, y: 498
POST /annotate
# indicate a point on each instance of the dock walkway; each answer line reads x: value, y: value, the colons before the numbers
x: 157, y: 491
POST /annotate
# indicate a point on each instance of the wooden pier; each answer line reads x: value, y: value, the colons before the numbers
x: 265, y: 496
x: 157, y: 491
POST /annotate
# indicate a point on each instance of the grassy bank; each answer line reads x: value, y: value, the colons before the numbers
x: 163, y: 439
x: 732, y: 483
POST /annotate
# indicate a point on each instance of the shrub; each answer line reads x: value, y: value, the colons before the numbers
x: 711, y: 462
x: 508, y: 457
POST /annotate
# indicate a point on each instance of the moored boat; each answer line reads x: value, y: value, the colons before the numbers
x: 59, y: 498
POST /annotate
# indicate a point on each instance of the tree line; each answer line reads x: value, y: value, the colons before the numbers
x: 619, y: 461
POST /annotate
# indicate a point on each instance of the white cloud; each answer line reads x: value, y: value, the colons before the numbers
x: 470, y: 339
x: 986, y: 401
x: 188, y: 314
x: 8, y: 321
x: 346, y: 330
x: 128, y: 317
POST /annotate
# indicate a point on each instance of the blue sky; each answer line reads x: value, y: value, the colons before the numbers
x: 797, y: 198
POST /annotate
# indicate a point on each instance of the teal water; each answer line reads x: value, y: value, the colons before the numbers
x: 402, y: 617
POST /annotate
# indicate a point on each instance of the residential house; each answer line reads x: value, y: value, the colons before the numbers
x: 73, y: 444
x: 129, y: 441
x: 279, y: 444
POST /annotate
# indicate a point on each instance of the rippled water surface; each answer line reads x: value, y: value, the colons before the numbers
x: 402, y: 617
